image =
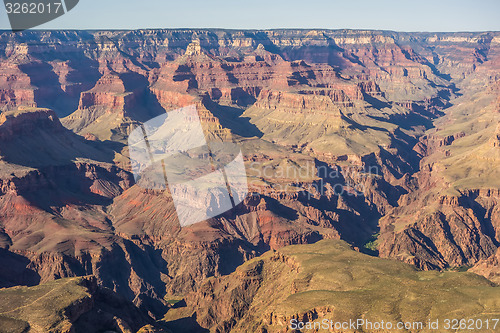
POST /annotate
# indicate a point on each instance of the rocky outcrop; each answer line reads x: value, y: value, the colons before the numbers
x: 68, y: 305
x: 25, y: 121
x: 323, y: 281
x: 15, y: 90
x: 489, y: 268
x: 343, y: 133
x: 450, y: 216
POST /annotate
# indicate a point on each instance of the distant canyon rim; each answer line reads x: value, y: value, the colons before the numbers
x: 388, y: 141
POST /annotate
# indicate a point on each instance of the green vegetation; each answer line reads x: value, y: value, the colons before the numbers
x: 173, y: 301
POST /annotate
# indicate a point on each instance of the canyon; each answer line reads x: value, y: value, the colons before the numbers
x: 387, y: 141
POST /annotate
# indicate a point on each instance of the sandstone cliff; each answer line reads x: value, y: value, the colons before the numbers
x: 386, y: 140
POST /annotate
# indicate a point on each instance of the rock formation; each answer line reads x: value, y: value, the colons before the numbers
x: 389, y: 141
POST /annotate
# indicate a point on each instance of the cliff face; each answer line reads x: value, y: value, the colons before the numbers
x: 68, y: 305
x: 386, y: 140
x: 328, y: 281
x: 123, y: 73
x: 489, y: 267
x: 451, y: 216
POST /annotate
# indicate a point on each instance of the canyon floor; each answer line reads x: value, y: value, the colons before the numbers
x: 372, y: 161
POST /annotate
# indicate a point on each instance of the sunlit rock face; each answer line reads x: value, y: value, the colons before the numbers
x: 389, y: 141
